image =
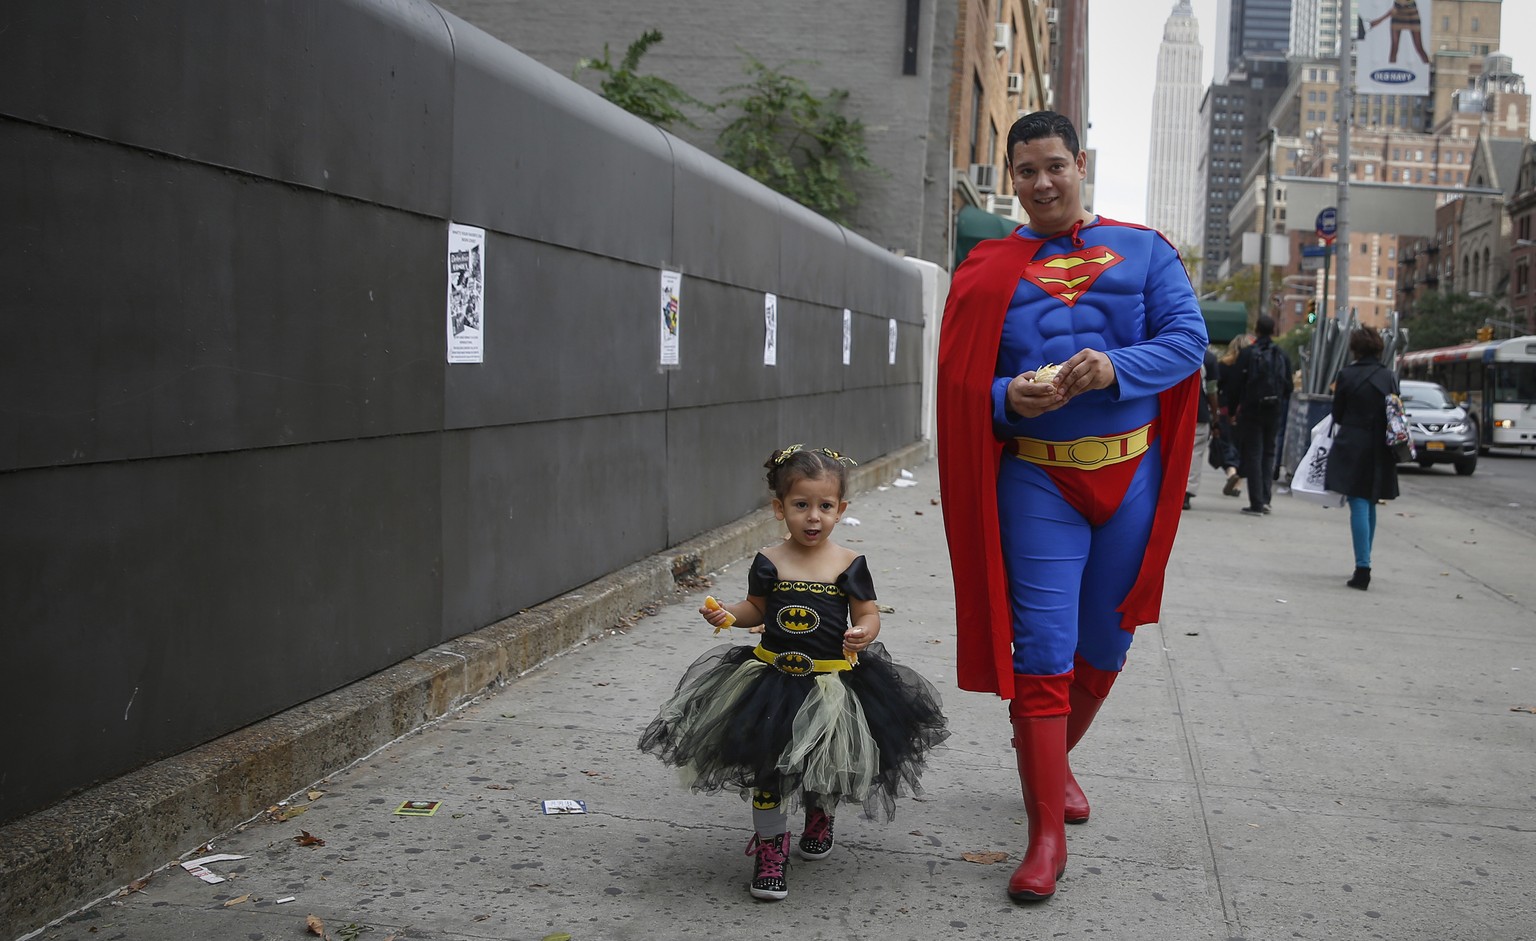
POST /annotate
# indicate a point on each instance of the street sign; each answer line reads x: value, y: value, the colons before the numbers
x: 1328, y: 224
x: 1311, y: 263
x: 1315, y: 251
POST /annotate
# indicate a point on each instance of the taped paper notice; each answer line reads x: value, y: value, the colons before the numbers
x: 565, y: 807
x: 198, y: 867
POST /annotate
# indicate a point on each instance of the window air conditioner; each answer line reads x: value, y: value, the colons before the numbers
x: 984, y: 175
x: 1051, y: 15
x: 1002, y: 37
x: 1004, y: 206
x: 1015, y: 83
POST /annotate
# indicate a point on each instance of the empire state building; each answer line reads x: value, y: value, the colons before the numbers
x: 1175, y: 200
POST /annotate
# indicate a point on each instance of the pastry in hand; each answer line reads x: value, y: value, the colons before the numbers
x: 713, y: 605
x: 1046, y: 373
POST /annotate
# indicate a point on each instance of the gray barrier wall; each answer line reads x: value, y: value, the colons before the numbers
x: 236, y: 471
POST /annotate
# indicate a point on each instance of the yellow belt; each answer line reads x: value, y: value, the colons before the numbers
x: 796, y: 663
x: 1084, y: 453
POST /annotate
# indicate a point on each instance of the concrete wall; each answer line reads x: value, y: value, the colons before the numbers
x: 236, y: 471
x: 859, y: 46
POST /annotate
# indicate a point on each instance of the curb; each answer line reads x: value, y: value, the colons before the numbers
x: 84, y: 848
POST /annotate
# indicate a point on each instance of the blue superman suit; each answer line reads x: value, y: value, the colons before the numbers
x: 1073, y: 542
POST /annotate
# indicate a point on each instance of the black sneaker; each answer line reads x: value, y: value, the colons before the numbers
x: 1265, y: 509
x: 816, y: 840
x: 1253, y: 511
x: 770, y: 873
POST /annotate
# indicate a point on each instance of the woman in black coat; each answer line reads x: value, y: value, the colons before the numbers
x: 1360, y: 465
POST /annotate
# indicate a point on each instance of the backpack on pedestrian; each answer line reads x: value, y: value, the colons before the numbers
x: 1268, y: 376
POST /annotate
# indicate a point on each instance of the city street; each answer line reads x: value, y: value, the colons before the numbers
x: 1284, y: 758
x: 1502, y: 491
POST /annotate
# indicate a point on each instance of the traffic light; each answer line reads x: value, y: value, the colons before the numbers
x: 1312, y: 311
x: 1484, y: 334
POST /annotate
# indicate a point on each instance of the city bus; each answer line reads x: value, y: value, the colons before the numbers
x: 1495, y: 380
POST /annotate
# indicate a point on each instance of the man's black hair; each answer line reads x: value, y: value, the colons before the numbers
x: 1039, y: 124
x: 1264, y: 326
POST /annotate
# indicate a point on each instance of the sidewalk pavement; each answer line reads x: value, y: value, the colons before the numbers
x: 1283, y: 758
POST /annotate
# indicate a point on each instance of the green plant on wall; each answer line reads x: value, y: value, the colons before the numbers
x: 794, y: 141
x: 646, y: 96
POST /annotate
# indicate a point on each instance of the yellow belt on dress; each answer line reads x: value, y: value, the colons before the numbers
x: 796, y: 663
x: 1083, y: 453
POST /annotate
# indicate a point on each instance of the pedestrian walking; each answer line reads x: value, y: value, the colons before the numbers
x: 1261, y: 389
x: 1361, y: 465
x: 1061, y: 485
x: 1225, y: 428
x: 1205, y: 413
x: 815, y: 714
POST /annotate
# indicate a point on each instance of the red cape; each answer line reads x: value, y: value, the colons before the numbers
x: 969, y: 452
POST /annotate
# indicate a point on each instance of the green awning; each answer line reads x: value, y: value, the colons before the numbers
x: 975, y: 225
x: 1224, y: 320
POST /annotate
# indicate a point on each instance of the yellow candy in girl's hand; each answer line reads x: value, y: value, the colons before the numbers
x: 713, y: 605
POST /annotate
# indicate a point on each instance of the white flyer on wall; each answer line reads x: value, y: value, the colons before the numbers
x: 847, y: 336
x: 770, y: 329
x: 466, y: 294
x: 671, y: 308
x: 891, y: 358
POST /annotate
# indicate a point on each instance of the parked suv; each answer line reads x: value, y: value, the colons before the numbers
x: 1442, y: 432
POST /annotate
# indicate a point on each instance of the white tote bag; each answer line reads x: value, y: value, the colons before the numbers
x: 1307, y: 482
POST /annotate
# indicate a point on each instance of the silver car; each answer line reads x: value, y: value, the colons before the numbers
x: 1442, y: 433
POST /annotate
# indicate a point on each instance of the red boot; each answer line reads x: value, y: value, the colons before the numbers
x: 1089, y: 688
x: 1040, y: 742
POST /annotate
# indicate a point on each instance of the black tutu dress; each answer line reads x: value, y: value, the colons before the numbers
x: 780, y: 716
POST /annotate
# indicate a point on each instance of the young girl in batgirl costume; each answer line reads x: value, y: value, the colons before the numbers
x: 816, y: 713
x: 1062, y: 486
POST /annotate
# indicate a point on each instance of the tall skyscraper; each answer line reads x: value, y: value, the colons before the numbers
x: 1250, y: 27
x: 1175, y: 202
x: 1316, y: 26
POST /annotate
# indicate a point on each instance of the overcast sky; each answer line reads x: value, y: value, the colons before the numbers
x: 1123, y: 40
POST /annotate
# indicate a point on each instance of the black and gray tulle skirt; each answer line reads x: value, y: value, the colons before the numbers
x: 854, y: 736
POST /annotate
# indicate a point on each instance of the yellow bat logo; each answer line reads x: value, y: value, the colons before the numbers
x: 794, y: 663
x: 798, y: 620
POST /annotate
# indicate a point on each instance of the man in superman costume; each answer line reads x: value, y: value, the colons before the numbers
x: 1061, y: 498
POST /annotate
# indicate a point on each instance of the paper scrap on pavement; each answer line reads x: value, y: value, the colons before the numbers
x: 906, y: 473
x: 850, y: 521
x: 198, y: 867
x: 565, y: 807
x: 904, y: 482
x: 418, y: 808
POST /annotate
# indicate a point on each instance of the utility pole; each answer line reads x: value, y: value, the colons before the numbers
x: 1269, y: 193
x: 1346, y: 99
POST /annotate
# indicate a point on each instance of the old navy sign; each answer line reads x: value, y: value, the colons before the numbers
x: 1392, y: 56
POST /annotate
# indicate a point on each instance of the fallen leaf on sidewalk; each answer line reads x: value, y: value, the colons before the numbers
x: 280, y: 814
x: 1531, y: 709
x: 498, y: 787
x: 315, y: 925
x: 986, y: 859
x: 305, y: 838
x: 244, y: 898
x: 562, y: 936
x: 136, y: 885
x: 1191, y: 633
x: 315, y: 795
x: 886, y: 609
